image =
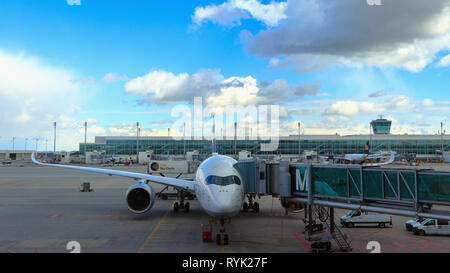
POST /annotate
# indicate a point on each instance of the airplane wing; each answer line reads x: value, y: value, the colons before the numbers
x: 173, y: 182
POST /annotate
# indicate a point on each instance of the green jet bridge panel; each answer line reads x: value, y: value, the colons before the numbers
x: 409, y: 192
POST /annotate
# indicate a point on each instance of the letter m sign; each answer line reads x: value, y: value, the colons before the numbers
x: 301, y: 176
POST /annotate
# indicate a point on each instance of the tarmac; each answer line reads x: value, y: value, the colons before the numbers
x: 42, y: 210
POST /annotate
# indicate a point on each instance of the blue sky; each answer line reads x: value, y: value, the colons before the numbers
x: 158, y: 54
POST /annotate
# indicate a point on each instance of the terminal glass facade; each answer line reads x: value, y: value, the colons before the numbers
x: 424, y: 145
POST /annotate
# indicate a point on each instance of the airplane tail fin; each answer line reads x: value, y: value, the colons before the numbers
x: 367, y: 148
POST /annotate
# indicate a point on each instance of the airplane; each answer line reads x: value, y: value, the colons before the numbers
x: 217, y: 185
x: 358, y: 157
x: 374, y: 159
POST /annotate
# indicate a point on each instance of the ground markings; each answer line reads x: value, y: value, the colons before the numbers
x: 398, y: 242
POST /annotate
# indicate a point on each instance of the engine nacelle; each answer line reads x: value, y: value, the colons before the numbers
x: 140, y: 198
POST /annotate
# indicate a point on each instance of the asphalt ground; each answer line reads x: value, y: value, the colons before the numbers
x: 42, y: 210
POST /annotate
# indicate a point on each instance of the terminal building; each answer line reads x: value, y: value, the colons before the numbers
x: 381, y: 140
x: 427, y: 145
x: 14, y: 155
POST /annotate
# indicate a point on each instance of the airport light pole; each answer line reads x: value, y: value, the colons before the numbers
x: 137, y: 142
x: 214, y: 134
x: 171, y: 145
x: 85, y: 141
x: 54, y: 137
x: 299, y: 145
x: 26, y: 139
x: 14, y: 138
x: 46, y: 150
x: 235, y: 138
x: 184, y: 139
x: 442, y: 140
x: 37, y: 139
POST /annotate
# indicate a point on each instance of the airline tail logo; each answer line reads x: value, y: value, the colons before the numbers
x: 366, y: 148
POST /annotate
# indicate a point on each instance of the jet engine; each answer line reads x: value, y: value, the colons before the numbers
x: 140, y: 198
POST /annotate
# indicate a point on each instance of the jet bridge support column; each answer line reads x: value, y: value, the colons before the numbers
x: 310, y: 202
x: 331, y: 215
x: 310, y: 223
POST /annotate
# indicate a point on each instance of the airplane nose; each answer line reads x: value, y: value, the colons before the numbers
x: 224, y: 201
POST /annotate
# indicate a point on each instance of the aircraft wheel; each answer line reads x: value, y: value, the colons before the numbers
x: 176, y: 207
x: 256, y: 207
x: 225, y: 239
x: 245, y: 207
x: 186, y: 207
x: 218, y: 239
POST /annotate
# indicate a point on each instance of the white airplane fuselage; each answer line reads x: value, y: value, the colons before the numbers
x: 219, y: 187
x: 355, y: 157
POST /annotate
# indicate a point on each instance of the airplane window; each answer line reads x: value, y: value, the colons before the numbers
x: 223, y: 181
x: 236, y: 180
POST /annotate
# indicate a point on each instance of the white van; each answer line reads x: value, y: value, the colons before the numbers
x: 432, y: 227
x: 357, y: 217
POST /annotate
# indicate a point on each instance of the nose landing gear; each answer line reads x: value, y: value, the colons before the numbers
x: 222, y: 234
x: 251, y: 205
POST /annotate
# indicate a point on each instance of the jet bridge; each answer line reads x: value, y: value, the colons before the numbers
x: 397, y: 191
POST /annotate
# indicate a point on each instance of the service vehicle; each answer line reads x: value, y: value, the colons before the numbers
x: 432, y: 227
x: 357, y: 217
x: 410, y: 223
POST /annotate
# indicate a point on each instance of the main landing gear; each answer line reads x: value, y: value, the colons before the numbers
x: 222, y: 234
x: 182, y: 205
x: 251, y: 205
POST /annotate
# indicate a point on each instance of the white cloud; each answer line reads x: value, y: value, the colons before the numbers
x: 445, y: 61
x: 111, y: 77
x: 162, y: 87
x: 428, y: 102
x: 231, y: 12
x: 33, y: 95
x: 353, y: 108
x: 318, y: 33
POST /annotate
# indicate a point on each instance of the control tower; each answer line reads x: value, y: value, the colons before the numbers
x: 381, y: 126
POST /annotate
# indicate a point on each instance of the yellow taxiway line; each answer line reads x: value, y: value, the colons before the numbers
x: 155, y: 229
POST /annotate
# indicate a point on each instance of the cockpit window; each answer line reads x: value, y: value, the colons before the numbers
x: 223, y: 181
